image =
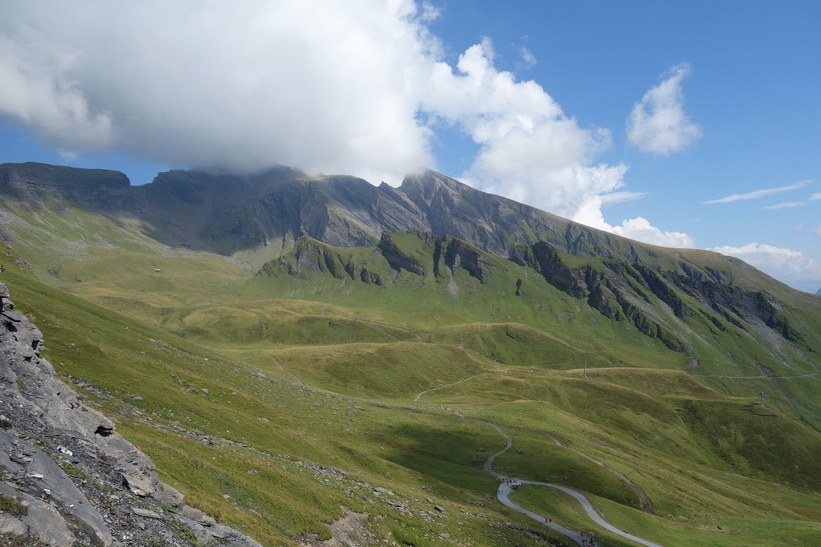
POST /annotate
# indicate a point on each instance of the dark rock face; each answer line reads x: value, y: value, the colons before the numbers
x: 605, y: 290
x: 623, y: 291
x: 544, y: 258
x: 65, y: 477
x: 222, y: 213
x: 98, y: 189
x: 459, y: 254
x: 397, y: 259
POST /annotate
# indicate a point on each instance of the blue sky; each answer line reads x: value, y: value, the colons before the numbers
x: 691, y: 124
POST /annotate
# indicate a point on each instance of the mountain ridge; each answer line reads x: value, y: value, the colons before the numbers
x: 224, y: 214
x: 216, y: 213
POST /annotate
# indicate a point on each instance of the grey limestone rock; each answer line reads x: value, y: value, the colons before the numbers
x: 65, y: 469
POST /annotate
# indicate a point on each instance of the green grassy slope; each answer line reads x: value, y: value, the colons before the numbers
x: 243, y: 388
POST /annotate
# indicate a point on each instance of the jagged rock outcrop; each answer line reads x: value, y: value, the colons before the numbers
x: 67, y: 478
x: 545, y: 259
x: 605, y: 289
x: 448, y: 254
x: 222, y: 213
x: 456, y: 253
x: 398, y: 259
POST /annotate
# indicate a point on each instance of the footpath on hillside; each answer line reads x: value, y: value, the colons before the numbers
x: 508, y: 484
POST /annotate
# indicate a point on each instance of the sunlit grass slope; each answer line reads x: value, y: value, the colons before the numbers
x: 243, y: 388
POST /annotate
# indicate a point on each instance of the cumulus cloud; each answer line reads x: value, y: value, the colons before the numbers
x: 529, y: 149
x: 756, y: 194
x: 39, y: 91
x: 241, y: 86
x: 658, y: 124
x: 356, y: 87
x: 638, y: 228
x: 790, y: 266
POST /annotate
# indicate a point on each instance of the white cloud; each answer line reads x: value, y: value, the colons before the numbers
x: 621, y: 197
x: 242, y: 86
x: 658, y: 123
x: 785, y: 205
x: 815, y: 197
x: 791, y: 267
x: 761, y: 193
x: 529, y: 149
x: 638, y: 228
x: 40, y: 92
x: 354, y: 87
x: 528, y: 59
x: 429, y: 12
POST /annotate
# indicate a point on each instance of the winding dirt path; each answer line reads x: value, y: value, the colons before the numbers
x: 444, y: 386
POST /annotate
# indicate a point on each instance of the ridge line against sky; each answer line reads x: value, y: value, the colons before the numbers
x: 630, y: 118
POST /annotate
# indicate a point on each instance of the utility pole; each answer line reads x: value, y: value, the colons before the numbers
x: 585, y: 368
x: 761, y: 401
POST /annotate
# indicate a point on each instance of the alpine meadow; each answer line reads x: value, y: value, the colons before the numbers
x: 313, y: 360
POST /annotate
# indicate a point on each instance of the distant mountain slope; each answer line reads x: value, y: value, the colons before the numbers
x: 692, y: 315
x: 223, y: 214
x: 218, y: 213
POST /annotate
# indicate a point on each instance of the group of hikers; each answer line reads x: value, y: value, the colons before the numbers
x: 587, y: 541
x: 514, y: 484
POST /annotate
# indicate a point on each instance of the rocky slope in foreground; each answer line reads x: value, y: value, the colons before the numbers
x: 66, y: 477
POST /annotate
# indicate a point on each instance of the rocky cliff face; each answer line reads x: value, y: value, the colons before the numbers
x: 67, y: 477
x: 222, y: 213
x: 98, y: 189
x: 677, y: 307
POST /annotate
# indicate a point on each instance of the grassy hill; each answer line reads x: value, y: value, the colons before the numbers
x: 363, y: 379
